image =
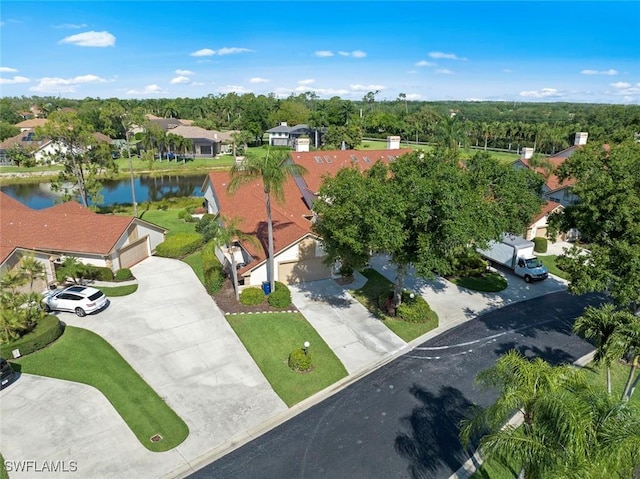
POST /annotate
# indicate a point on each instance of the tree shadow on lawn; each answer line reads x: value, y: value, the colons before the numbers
x: 431, y: 442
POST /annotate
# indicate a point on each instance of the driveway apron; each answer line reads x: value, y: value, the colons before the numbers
x: 356, y: 337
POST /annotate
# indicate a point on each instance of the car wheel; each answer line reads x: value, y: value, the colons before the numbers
x: 80, y: 312
x: 47, y: 308
x: 527, y: 278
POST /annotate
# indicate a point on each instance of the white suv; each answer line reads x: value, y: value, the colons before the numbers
x: 75, y: 299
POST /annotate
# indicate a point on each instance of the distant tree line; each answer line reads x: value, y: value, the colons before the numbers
x: 547, y: 127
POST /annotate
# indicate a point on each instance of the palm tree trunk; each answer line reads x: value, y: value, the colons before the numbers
x: 270, y: 263
x: 133, y: 184
x: 399, y: 285
x: 234, y: 272
x: 609, y: 380
x: 634, y: 364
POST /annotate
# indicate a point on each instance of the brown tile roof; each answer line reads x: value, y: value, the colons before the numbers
x: 552, y: 181
x: 68, y: 227
x: 331, y: 161
x: 548, y: 207
x: 248, y: 204
x: 32, y: 123
x: 22, y: 139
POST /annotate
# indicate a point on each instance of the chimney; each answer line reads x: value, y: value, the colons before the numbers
x: 393, y: 143
x: 302, y: 144
x: 283, y: 123
x: 527, y: 153
x: 581, y: 138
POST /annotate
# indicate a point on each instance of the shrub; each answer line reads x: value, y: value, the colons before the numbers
x: 414, y: 310
x: 540, y: 244
x: 179, y: 245
x: 47, y: 331
x: 251, y: 296
x: 281, y: 296
x: 207, y: 226
x: 211, y: 268
x: 124, y: 274
x: 100, y: 273
x: 470, y: 264
x: 299, y: 361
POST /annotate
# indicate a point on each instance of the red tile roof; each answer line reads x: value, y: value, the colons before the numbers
x: 248, y: 204
x: 331, y: 161
x: 68, y: 227
x: 552, y: 181
x: 548, y: 207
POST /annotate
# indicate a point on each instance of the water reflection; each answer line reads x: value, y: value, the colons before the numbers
x: 148, y: 188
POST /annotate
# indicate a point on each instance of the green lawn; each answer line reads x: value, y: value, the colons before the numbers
x: 82, y: 356
x: 3, y: 469
x: 549, y: 261
x: 489, y: 282
x: 368, y: 295
x: 270, y: 338
x: 113, y: 291
x: 168, y: 219
x: 195, y: 261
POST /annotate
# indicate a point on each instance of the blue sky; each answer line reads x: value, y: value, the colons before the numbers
x: 577, y: 51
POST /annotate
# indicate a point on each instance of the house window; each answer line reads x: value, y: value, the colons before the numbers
x: 318, y: 159
x: 328, y: 159
x: 366, y: 159
x: 354, y: 158
x: 205, y: 149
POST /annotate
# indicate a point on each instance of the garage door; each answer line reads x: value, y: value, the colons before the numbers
x: 311, y: 269
x: 134, y: 253
x: 541, y: 232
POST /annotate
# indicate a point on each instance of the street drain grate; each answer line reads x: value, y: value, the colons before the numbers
x: 156, y: 438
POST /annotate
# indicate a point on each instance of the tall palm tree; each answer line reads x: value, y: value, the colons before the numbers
x: 626, y: 340
x: 451, y: 134
x: 274, y: 170
x: 600, y: 324
x: 524, y: 386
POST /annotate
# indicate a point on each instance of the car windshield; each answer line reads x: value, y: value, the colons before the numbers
x: 533, y: 263
x: 96, y: 295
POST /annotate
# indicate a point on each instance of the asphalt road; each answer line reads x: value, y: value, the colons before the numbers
x: 401, y: 421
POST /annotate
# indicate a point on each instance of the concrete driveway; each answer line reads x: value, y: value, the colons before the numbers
x: 174, y: 335
x: 358, y: 339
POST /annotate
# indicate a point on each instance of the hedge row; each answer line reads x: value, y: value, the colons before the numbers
x: 281, y: 297
x: 46, y: 331
x: 179, y: 245
x: 212, y: 269
x: 540, y: 245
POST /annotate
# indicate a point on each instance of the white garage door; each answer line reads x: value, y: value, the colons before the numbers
x: 134, y: 253
x: 311, y: 269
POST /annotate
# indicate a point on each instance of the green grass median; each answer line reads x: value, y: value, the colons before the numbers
x: 270, y: 338
x: 84, y: 357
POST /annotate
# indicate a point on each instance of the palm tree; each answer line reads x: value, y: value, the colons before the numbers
x: 599, y: 324
x: 451, y: 134
x: 32, y: 269
x: 274, y: 170
x: 228, y: 234
x: 626, y: 340
x: 525, y: 387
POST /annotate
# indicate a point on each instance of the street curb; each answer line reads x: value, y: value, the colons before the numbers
x: 474, y: 462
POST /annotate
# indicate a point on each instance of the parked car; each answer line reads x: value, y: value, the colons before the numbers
x: 81, y: 300
x: 6, y: 373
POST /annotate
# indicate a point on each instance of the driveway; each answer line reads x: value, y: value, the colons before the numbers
x: 174, y: 335
x: 356, y: 337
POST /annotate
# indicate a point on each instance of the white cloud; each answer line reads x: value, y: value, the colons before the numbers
x: 258, y: 80
x: 621, y: 84
x: 445, y: 56
x: 444, y: 71
x: 71, y: 26
x: 627, y: 89
x: 367, y: 88
x: 207, y: 52
x: 148, y: 90
x: 610, y: 72
x: 197, y: 83
x: 7, y: 70
x: 324, y: 53
x: 358, y: 54
x: 507, y: 70
x: 91, y: 39
x: 233, y: 89
x: 342, y: 53
x: 179, y: 79
x: 543, y: 93
x: 424, y: 63
x: 307, y: 81
x: 413, y: 96
x: 184, y: 72
x: 64, y: 85
x: 14, y: 80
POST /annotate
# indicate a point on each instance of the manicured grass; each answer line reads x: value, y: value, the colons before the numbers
x: 168, y: 219
x: 549, y: 261
x: 3, y: 469
x: 270, y: 338
x: 619, y: 374
x: 491, y: 282
x: 82, y: 356
x: 195, y: 261
x: 369, y: 294
x: 113, y: 291
x: 493, y: 470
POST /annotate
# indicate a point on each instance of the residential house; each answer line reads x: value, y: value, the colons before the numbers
x: 299, y: 255
x: 284, y: 135
x: 31, y: 123
x: 206, y: 143
x: 539, y: 224
x: 71, y: 230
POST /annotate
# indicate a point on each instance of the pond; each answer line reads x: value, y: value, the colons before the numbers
x: 147, y: 188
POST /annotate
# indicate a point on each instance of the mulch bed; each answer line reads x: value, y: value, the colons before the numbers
x: 226, y: 301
